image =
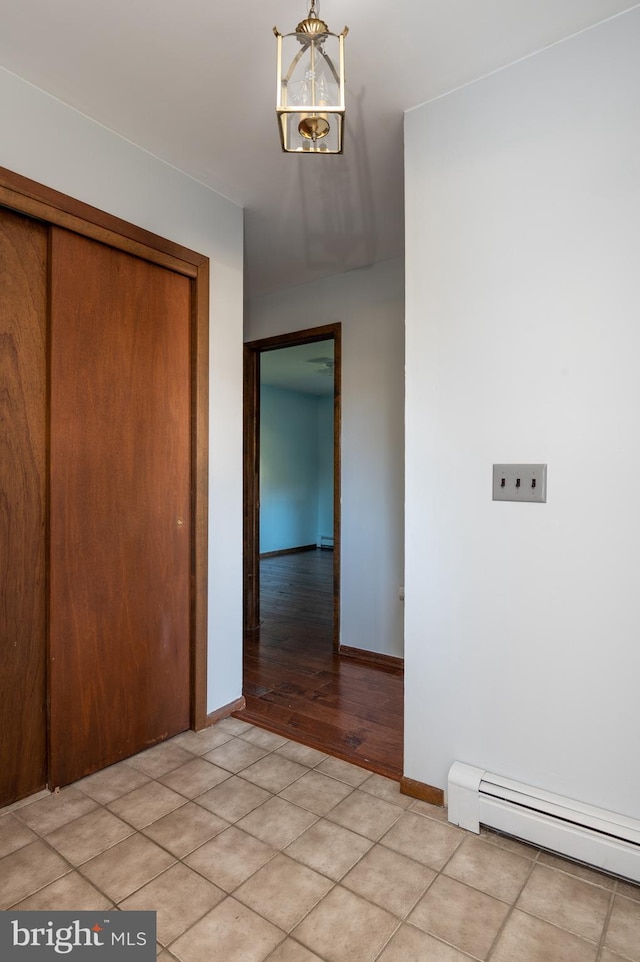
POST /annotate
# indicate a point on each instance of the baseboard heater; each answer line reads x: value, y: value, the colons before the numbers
x: 591, y: 835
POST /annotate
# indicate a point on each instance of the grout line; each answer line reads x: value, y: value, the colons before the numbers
x: 512, y: 907
x: 605, y: 927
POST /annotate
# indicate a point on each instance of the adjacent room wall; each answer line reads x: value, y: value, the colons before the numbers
x: 370, y: 304
x: 523, y: 345
x: 325, y: 470
x: 59, y: 147
x: 289, y: 469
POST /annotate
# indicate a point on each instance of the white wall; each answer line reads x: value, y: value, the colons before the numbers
x: 50, y: 143
x: 523, y: 344
x: 369, y: 303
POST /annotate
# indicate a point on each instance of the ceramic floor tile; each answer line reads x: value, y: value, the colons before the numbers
x: 202, y: 742
x: 194, y: 777
x: 233, y: 798
x: 337, y: 823
x: 146, y: 804
x: 283, y: 892
x: 623, y: 932
x: 71, y: 893
x: 431, y: 811
x: 386, y: 788
x: 27, y: 870
x: 179, y: 896
x: 345, y: 928
x: 273, y: 773
x: 89, y: 835
x: 628, y: 889
x: 185, y: 829
x: 290, y: 951
x: 14, y: 834
x: 575, y: 868
x: 233, y: 725
x: 13, y: 807
x: 113, y: 782
x: 301, y: 754
x: 411, y: 945
x: 127, y: 866
x: 316, y: 792
x: 392, y: 881
x: 236, y: 755
x: 366, y: 814
x: 344, y: 771
x: 329, y: 848
x: 427, y: 841
x: 160, y: 759
x: 462, y: 916
x: 264, y: 739
x: 238, y: 934
x: 55, y: 810
x: 277, y: 822
x: 489, y: 868
x: 566, y: 901
x: 527, y: 939
x: 230, y: 858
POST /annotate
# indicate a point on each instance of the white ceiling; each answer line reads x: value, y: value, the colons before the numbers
x: 193, y: 81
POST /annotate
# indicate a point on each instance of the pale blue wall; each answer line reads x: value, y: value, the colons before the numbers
x: 325, y: 467
x: 293, y: 469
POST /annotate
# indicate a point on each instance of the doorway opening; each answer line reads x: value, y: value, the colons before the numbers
x: 292, y: 457
x: 298, y: 680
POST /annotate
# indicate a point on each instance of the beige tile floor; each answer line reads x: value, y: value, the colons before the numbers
x: 253, y: 848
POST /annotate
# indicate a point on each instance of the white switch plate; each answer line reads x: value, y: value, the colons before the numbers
x: 520, y: 482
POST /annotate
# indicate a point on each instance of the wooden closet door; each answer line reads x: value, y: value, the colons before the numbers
x: 120, y: 526
x: 23, y: 384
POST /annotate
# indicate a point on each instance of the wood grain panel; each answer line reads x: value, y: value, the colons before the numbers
x: 52, y: 207
x: 23, y: 323
x: 120, y: 603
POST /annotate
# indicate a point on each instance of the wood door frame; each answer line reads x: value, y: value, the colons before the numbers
x: 251, y: 463
x: 52, y: 207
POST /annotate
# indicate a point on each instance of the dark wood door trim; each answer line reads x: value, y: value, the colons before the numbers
x: 252, y: 352
x: 251, y: 493
x: 52, y: 207
x: 44, y: 203
x: 23, y: 506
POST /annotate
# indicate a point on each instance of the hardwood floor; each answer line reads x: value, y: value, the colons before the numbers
x: 294, y: 682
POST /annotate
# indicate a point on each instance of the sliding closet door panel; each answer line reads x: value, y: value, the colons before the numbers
x: 120, y: 505
x: 23, y: 323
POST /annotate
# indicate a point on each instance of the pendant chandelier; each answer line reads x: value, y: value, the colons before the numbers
x: 310, y: 97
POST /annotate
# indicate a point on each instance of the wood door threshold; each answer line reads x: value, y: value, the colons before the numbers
x: 255, y: 717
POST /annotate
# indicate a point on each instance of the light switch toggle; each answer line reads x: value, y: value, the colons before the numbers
x: 520, y: 482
